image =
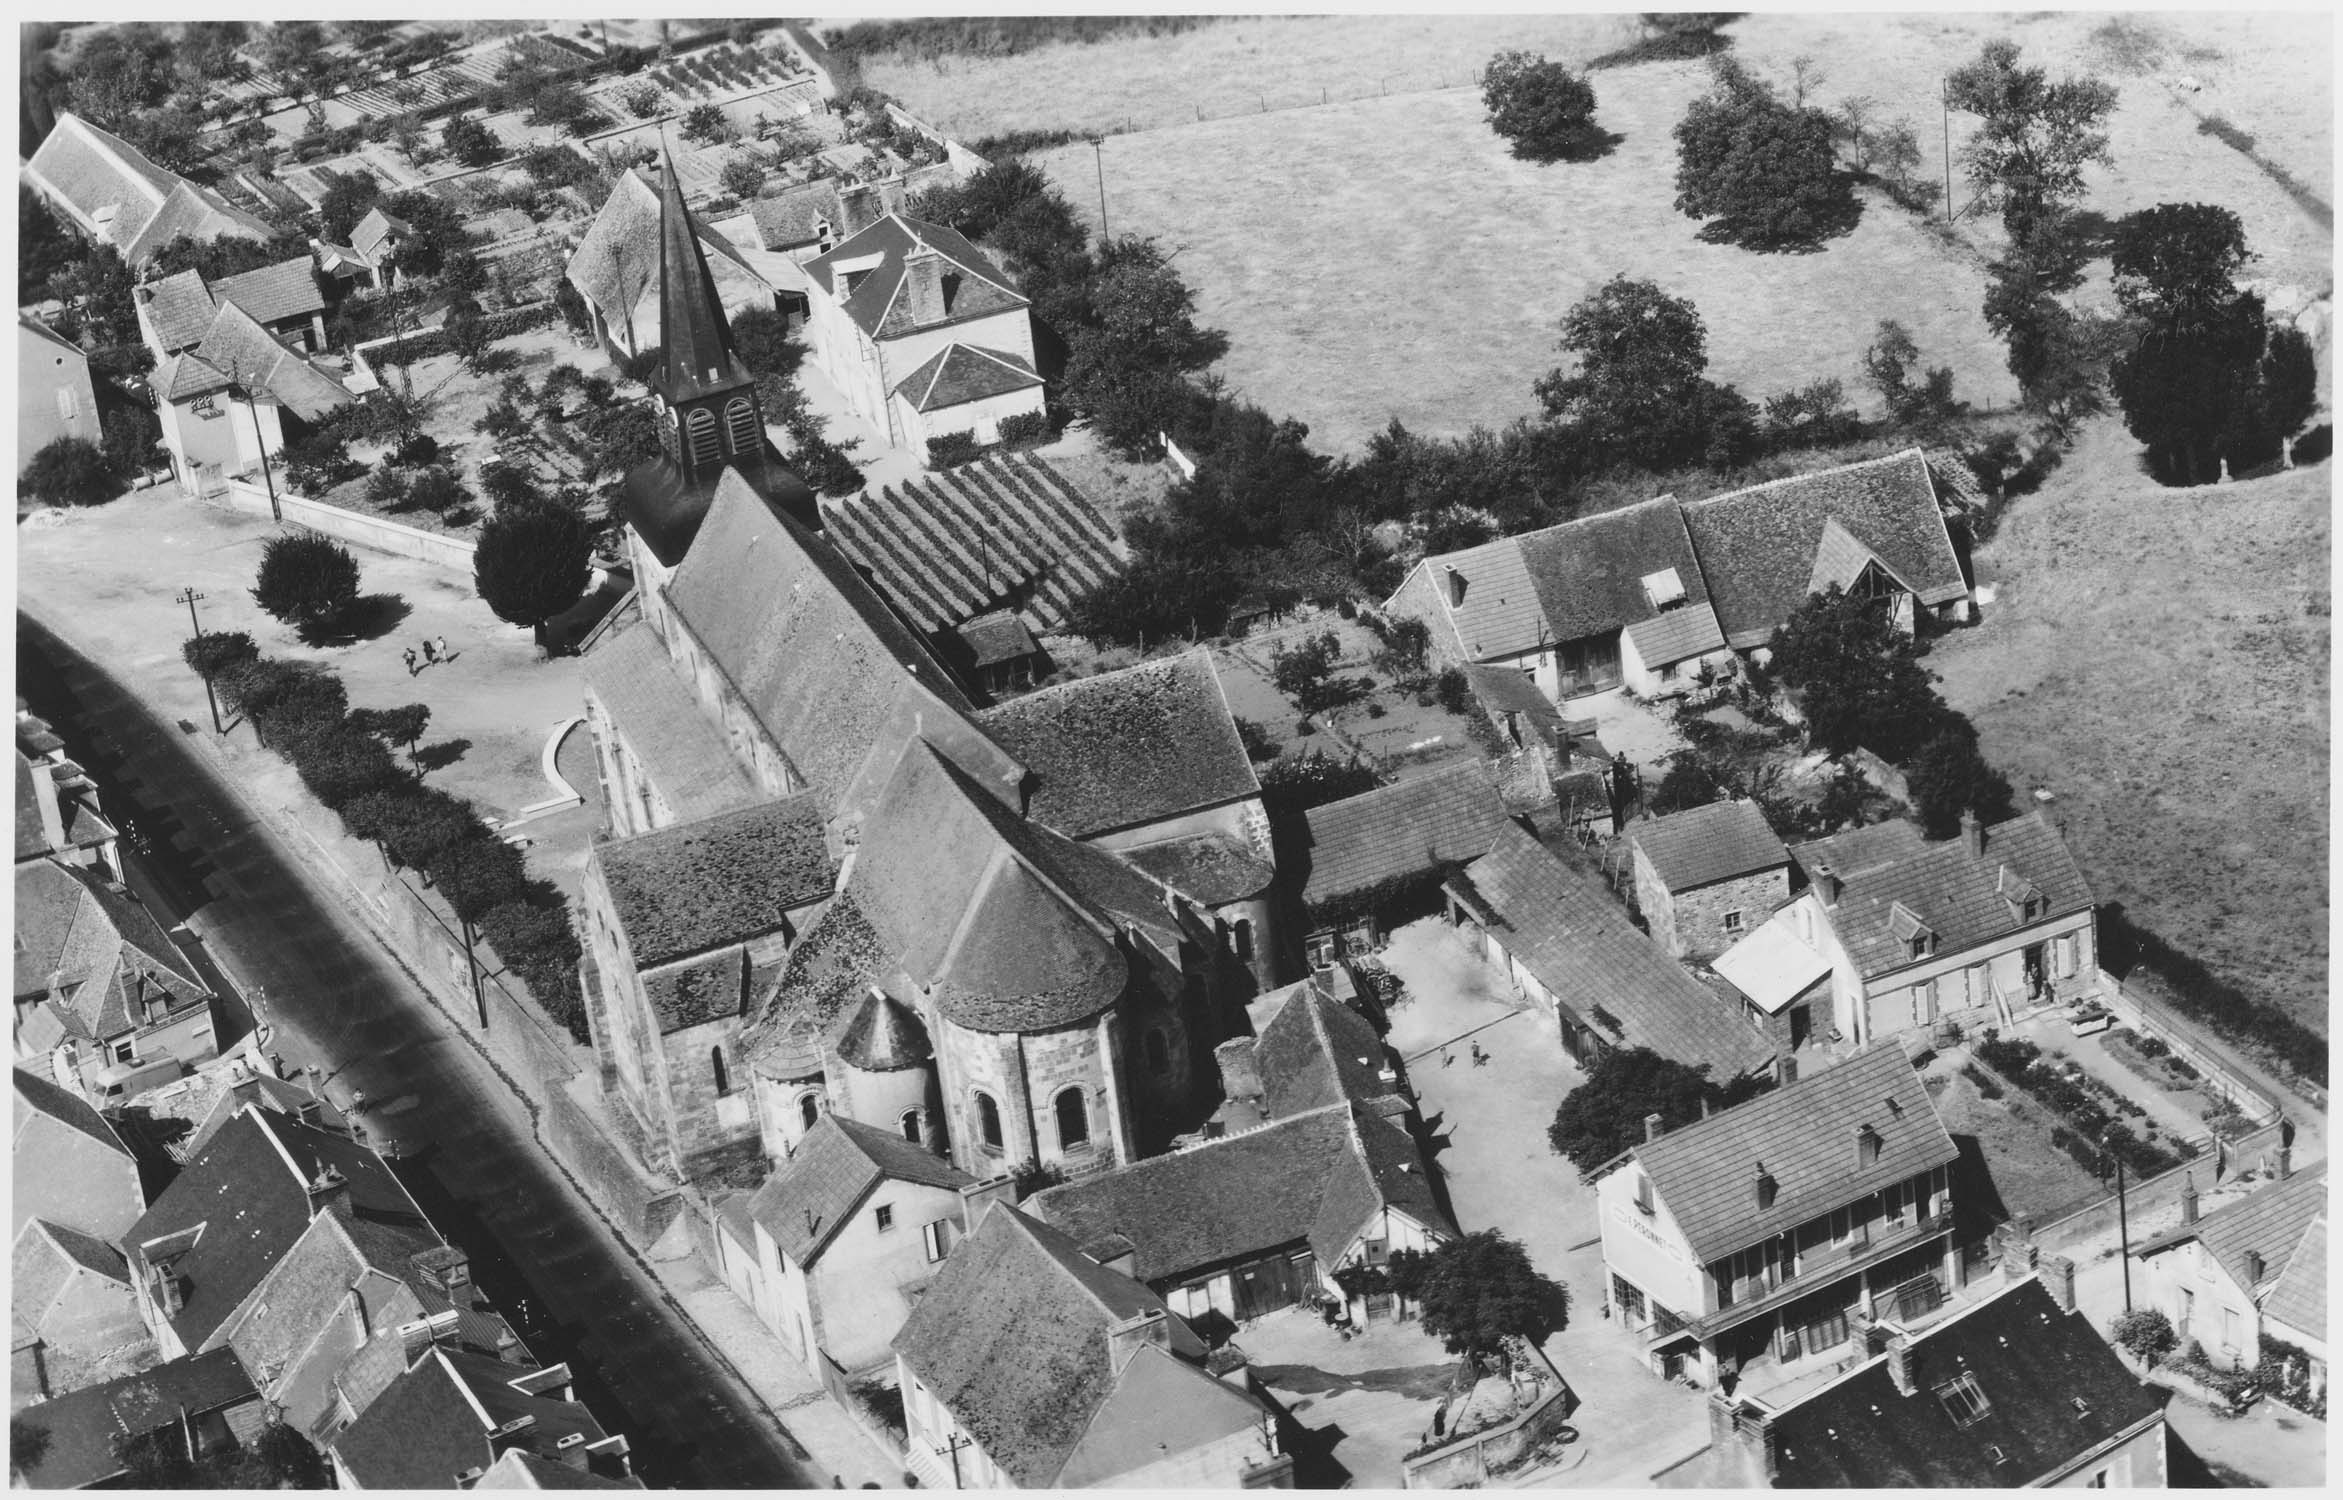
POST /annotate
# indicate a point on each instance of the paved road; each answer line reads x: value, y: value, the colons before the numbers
x: 338, y: 999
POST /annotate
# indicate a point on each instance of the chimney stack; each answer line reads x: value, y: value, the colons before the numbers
x: 2255, y: 1269
x: 2285, y: 1160
x: 1651, y: 1127
x: 2188, y: 1198
x: 1973, y: 835
x: 1743, y: 1437
x: 1826, y: 881
x: 1785, y: 1070
x: 2058, y: 1278
x: 329, y: 1193
x: 976, y: 1195
x: 923, y: 286
x: 1455, y: 587
x: 170, y: 1290
x: 858, y: 208
x: 1124, y: 1339
x: 1899, y: 1362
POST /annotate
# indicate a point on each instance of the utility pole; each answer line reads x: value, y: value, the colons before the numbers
x: 1944, y: 99
x: 188, y: 596
x: 2123, y: 1228
x: 1098, y: 155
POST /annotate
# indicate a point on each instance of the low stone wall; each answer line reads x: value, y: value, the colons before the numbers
x: 2154, y: 1021
x: 1468, y: 1462
x: 355, y: 527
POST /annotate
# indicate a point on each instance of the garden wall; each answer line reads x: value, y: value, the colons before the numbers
x: 360, y: 530
x: 2154, y: 1021
x: 2153, y: 1203
x: 1468, y: 1462
x: 641, y: 1210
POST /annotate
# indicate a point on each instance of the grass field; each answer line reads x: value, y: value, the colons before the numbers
x: 2031, y: 1176
x: 2158, y: 659
x: 1385, y: 256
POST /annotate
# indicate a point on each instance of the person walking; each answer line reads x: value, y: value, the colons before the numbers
x: 412, y: 669
x: 430, y: 652
x: 444, y: 653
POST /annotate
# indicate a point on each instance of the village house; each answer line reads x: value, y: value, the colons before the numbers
x: 376, y: 240
x: 2017, y: 1390
x: 103, y: 186
x: 74, y: 1317
x: 919, y: 330
x: 103, y: 996
x: 1306, y: 1050
x: 1708, y: 876
x: 1595, y: 604
x: 2295, y: 1310
x: 2213, y: 1274
x: 68, y: 1165
x: 831, y: 1250
x: 1781, y: 981
x: 449, y: 1415
x: 287, y: 300
x: 1742, y: 1250
x: 621, y: 267
x: 1368, y: 863
x: 57, y: 811
x: 1977, y: 929
x: 1565, y: 944
x: 54, y: 397
x: 230, y: 404
x: 299, y: 1249
x: 1027, y: 1365
x: 207, y: 1401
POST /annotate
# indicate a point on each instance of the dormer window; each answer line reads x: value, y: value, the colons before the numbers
x: 1964, y: 1400
x: 1663, y: 588
x: 1904, y: 924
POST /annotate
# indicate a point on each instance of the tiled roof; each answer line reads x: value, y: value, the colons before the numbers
x: 194, y: 213
x: 1210, y: 868
x: 787, y: 219
x: 243, y: 349
x: 1578, y: 943
x: 991, y: 639
x: 693, y: 887
x: 83, y: 1250
x: 1758, y: 546
x: 432, y: 1424
x: 617, y: 260
x: 182, y: 376
x: 812, y: 651
x: 519, y: 1469
x: 84, y: 1426
x: 959, y: 373
x: 687, y: 758
x: 1126, y: 748
x: 2053, y: 1392
x: 247, y: 1190
x: 1509, y: 690
x: 958, y: 542
x: 698, y: 991
x: 89, y: 171
x: 1443, y: 817
x: 367, y: 239
x: 1500, y: 614
x: 2298, y: 1302
x: 1956, y: 894
x: 94, y: 951
x: 830, y: 968
x: 1012, y: 1338
x: 1314, y: 1051
x: 1294, y: 1182
x: 2268, y: 1222
x: 180, y: 309
x: 1773, y: 965
x: 814, y: 1194
x: 271, y: 294
x: 1703, y: 845
x: 1803, y: 1135
x: 884, y: 1037
x: 980, y: 290
x: 1162, y: 1405
x: 1676, y: 635
x: 37, y: 1095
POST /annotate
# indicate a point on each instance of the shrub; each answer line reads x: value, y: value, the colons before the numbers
x: 387, y: 487
x: 538, y: 944
x: 641, y: 367
x: 437, y: 489
x: 952, y: 449
x: 1027, y: 429
x: 1455, y: 690
x: 69, y: 471
x: 210, y: 655
x: 305, y: 580
x: 1764, y: 170
x: 533, y: 562
x: 414, y: 450
x: 1982, y: 1080
x: 470, y: 142
x: 1542, y: 107
x: 2146, y: 1332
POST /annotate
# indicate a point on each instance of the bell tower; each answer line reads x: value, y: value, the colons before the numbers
x: 709, y: 415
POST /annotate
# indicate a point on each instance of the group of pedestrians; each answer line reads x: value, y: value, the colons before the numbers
x: 435, y: 651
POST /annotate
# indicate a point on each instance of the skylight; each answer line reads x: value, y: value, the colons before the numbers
x: 1964, y: 1400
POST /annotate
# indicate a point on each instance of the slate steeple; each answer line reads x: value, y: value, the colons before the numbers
x: 696, y: 338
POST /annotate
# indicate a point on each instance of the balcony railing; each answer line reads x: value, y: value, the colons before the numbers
x: 1824, y: 1267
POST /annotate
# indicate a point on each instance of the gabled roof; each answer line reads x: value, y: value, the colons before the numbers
x: 94, y: 951
x: 1703, y: 845
x: 687, y: 758
x: 1773, y: 965
x: 828, y: 971
x: 112, y: 191
x: 1012, y: 1338
x: 240, y: 1204
x: 27, y: 323
x: 1443, y: 817
x: 980, y: 289
x: 1759, y: 547
x: 697, y: 991
x: 1804, y: 1136
x: 1577, y: 942
x: 1949, y: 891
x: 1676, y: 635
x: 795, y: 215
x: 180, y: 309
x: 1312, y: 1050
x: 240, y: 347
x: 1129, y: 747
x: 519, y: 1469
x: 2053, y: 1391
x: 84, y: 1426
x: 36, y: 1095
x: 368, y: 237
x: 2268, y: 1222
x: 433, y: 1423
x: 288, y: 289
x: 619, y: 258
x: 2297, y: 1303
x: 690, y: 888
x: 1210, y: 868
x: 1160, y: 1406
x: 814, y: 655
x: 815, y: 1193
x: 960, y: 373
x: 1309, y: 1179
x: 194, y: 213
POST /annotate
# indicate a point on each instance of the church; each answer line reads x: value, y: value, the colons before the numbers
x: 835, y: 879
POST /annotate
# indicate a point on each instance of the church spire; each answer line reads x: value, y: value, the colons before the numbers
x: 696, y: 339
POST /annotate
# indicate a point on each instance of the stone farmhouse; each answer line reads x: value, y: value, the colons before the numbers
x: 921, y: 331
x: 106, y: 188
x: 1742, y: 1250
x: 1369, y: 862
x: 287, y: 300
x: 1708, y: 876
x: 2216, y: 1275
x: 1649, y: 597
x: 54, y: 396
x: 2018, y: 1390
x: 1029, y: 1365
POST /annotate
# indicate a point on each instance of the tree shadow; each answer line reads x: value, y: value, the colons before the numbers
x: 442, y: 755
x: 369, y: 617
x: 1834, y: 220
x: 1592, y: 145
x: 2094, y: 232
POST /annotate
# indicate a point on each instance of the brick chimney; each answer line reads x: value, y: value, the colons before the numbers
x: 923, y: 286
x: 858, y: 208
x: 329, y: 1193
x: 1742, y: 1440
x: 1826, y: 884
x: 2058, y: 1279
x: 1125, y: 1338
x: 1973, y: 835
x: 1651, y: 1127
x: 2285, y: 1160
x: 2188, y: 1198
x: 2255, y: 1269
x: 1899, y: 1362
x: 2018, y: 1254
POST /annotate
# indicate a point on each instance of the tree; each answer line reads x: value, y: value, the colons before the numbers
x: 1638, y: 395
x: 1479, y: 1291
x: 760, y: 336
x: 1891, y: 362
x: 643, y: 100
x: 414, y: 825
x: 436, y: 488
x: 742, y: 175
x: 1765, y: 171
x: 337, y: 761
x: 69, y: 471
x: 319, y: 459
x: 610, y: 440
x: 470, y: 142
x: 214, y: 653
x: 478, y: 875
x: 437, y: 232
x: 2147, y: 1333
x: 1543, y: 108
x: 1605, y: 1115
x: 1949, y: 776
x: 306, y: 580
x: 537, y: 943
x: 2036, y: 136
x: 1304, y: 672
x: 1858, y: 677
x: 348, y: 196
x: 403, y: 725
x: 44, y: 247
x: 2176, y: 264
x: 1301, y: 782
x: 1124, y: 366
x: 706, y: 124
x: 534, y: 562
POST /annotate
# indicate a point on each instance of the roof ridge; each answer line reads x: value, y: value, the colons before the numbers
x: 1915, y: 451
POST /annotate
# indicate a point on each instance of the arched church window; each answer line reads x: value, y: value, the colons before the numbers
x: 911, y: 1126
x: 716, y: 1065
x: 740, y: 424
x: 699, y: 431
x: 988, y: 1120
x: 1073, y: 1120
x: 809, y: 1108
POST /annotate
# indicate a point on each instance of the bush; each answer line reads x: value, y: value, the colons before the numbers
x: 305, y: 580
x: 1764, y: 170
x: 212, y: 654
x: 538, y: 944
x: 414, y: 450
x: 953, y: 449
x: 69, y: 471
x: 1982, y: 1080
x: 1027, y: 429
x: 438, y: 490
x: 470, y: 142
x: 2146, y: 1332
x: 387, y: 487
x: 1543, y: 108
x: 1455, y: 690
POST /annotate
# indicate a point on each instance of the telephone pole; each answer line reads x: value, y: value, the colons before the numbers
x: 188, y: 596
x: 1098, y: 155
